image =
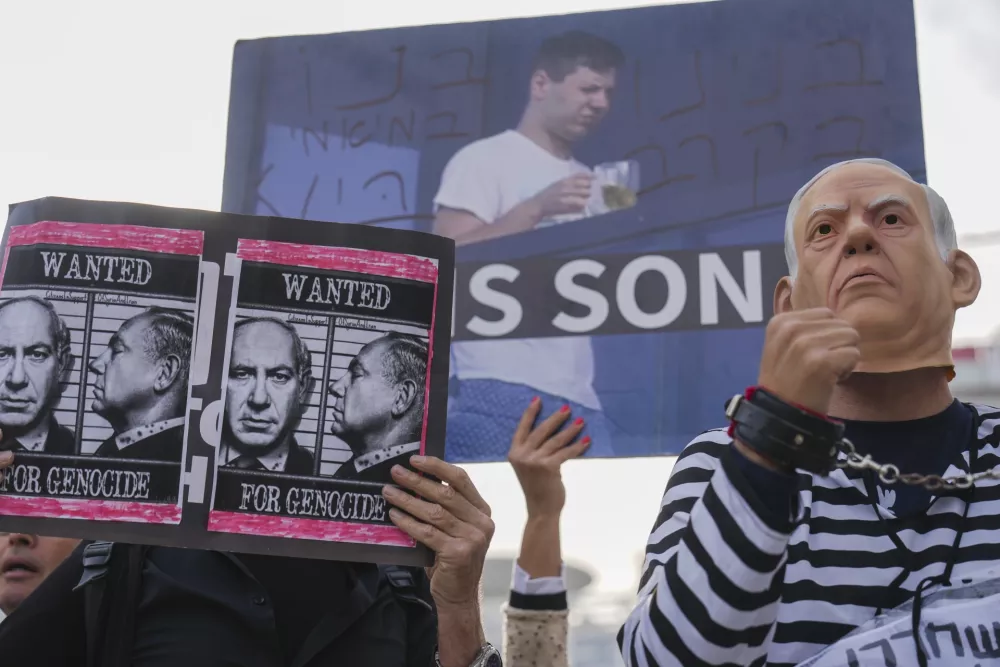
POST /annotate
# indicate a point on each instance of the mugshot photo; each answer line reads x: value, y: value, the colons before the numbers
x: 40, y: 351
x: 138, y: 370
x: 376, y: 398
x: 290, y: 409
x: 270, y: 416
x: 132, y: 402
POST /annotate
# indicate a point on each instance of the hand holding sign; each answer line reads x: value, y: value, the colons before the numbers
x: 452, y: 519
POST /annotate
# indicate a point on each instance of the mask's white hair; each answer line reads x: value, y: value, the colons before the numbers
x: 944, y: 226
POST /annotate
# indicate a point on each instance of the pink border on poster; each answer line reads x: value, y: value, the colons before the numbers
x: 124, y: 237
x: 356, y: 260
x: 371, y: 262
x: 92, y: 510
x: 309, y: 529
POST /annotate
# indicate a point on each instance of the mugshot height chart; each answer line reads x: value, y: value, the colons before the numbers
x: 218, y: 381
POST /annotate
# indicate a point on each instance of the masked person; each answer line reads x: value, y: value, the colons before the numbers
x: 761, y: 554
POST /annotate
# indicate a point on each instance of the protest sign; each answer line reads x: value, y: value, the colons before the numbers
x: 958, y: 625
x: 641, y: 299
x: 217, y: 381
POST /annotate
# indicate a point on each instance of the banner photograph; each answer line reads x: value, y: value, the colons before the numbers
x: 616, y: 183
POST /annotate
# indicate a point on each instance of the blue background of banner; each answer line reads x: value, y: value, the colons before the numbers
x: 728, y: 106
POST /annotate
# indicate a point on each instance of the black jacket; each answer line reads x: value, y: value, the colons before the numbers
x: 300, y: 462
x: 166, y: 445
x: 379, y: 472
x: 207, y: 609
x: 60, y: 440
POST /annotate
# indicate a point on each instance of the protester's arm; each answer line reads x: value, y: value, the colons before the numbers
x: 710, y: 586
x: 452, y: 519
x: 536, y: 629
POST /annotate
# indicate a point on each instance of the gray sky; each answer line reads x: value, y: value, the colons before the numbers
x: 128, y: 100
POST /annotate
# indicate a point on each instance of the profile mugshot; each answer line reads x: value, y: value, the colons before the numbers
x: 270, y: 380
x: 35, y: 360
x: 142, y: 384
x: 378, y: 405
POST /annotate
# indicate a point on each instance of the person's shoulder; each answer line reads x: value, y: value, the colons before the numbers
x: 485, y: 149
x: 712, y: 442
x: 983, y: 409
x: 987, y: 416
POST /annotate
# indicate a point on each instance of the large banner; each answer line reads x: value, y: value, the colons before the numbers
x: 616, y: 184
x: 218, y: 381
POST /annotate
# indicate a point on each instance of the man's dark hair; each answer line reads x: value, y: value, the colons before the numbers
x: 303, y: 357
x: 61, y: 331
x: 560, y: 55
x: 169, y: 332
x: 405, y: 358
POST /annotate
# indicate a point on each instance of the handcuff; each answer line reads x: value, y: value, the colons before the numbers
x: 788, y: 435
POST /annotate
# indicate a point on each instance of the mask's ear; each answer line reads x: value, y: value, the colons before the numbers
x: 783, y: 296
x: 965, y: 278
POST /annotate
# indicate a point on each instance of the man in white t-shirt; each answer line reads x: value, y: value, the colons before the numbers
x: 514, y: 182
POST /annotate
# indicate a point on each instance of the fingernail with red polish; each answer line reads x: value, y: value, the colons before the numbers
x: 579, y: 420
x: 564, y: 408
x: 586, y: 440
x: 534, y: 400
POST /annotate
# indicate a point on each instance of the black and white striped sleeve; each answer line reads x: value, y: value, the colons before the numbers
x: 710, y: 584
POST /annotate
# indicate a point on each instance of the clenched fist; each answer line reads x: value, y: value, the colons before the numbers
x: 806, y: 353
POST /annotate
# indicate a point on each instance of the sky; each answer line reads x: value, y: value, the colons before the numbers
x: 128, y: 101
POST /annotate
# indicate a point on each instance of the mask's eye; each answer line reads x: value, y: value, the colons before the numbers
x: 824, y: 229
x: 891, y: 219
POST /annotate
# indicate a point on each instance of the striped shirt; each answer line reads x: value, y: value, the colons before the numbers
x: 726, y: 581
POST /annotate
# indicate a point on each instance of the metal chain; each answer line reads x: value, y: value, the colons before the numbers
x: 889, y: 474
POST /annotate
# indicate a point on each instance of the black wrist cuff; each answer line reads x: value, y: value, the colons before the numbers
x: 787, y: 435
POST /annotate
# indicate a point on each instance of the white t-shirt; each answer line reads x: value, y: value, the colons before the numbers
x: 488, y: 178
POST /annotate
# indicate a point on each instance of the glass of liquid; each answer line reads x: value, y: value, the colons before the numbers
x: 617, y: 185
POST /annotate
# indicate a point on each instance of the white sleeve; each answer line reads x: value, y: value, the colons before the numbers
x: 523, y: 583
x: 469, y: 183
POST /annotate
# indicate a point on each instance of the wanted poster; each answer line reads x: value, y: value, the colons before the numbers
x: 328, y: 359
x: 218, y: 381
x: 96, y: 329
